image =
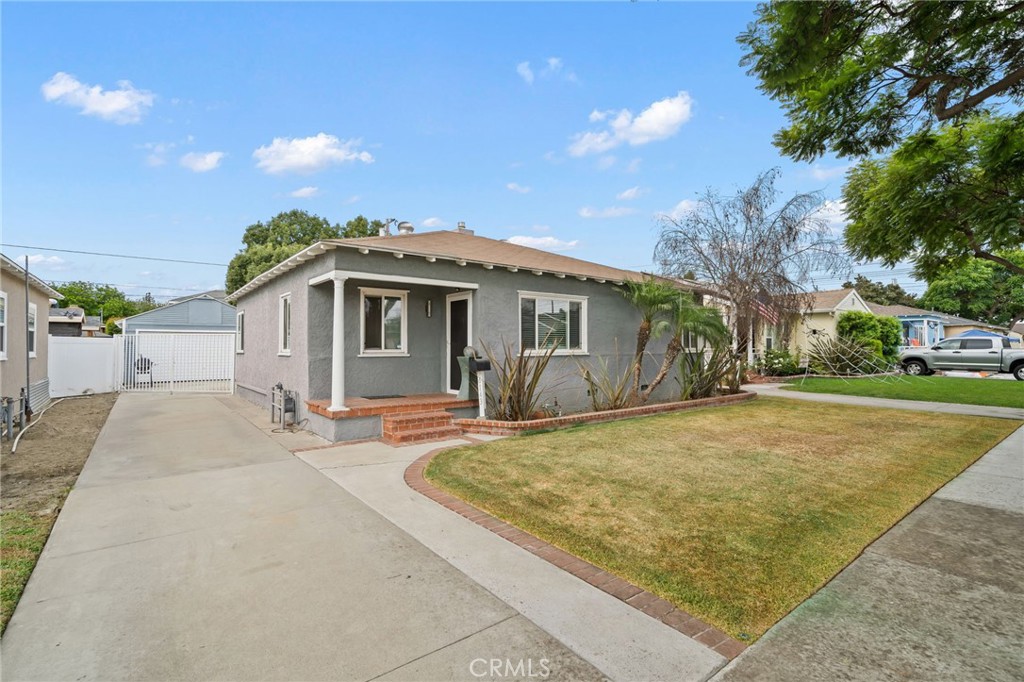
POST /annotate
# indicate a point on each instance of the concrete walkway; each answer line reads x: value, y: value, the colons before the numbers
x: 775, y: 391
x: 194, y: 547
x: 938, y: 597
x: 622, y: 642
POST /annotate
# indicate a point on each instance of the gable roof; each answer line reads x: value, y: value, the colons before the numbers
x: 18, y: 271
x: 461, y: 247
x: 829, y: 299
x: 172, y: 305
x: 217, y: 294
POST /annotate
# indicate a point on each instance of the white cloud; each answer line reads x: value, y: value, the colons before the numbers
x: 610, y: 212
x: 545, y: 243
x: 305, y: 192
x: 553, y: 68
x: 353, y: 199
x: 308, y: 154
x: 634, y: 166
x: 517, y: 188
x: 659, y: 121
x: 819, y: 172
x: 157, y: 152
x: 632, y: 193
x: 124, y: 105
x: 434, y: 222
x: 201, y: 162
x: 833, y: 212
x: 606, y: 162
x: 38, y: 261
x: 552, y: 157
x: 525, y: 72
x: 682, y: 208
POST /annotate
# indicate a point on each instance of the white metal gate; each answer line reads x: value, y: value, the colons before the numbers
x: 176, y: 362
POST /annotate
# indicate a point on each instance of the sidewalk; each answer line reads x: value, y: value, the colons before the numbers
x: 939, y: 596
x: 775, y: 391
x: 194, y: 547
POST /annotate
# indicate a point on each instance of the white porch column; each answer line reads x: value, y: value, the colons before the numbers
x: 338, y: 347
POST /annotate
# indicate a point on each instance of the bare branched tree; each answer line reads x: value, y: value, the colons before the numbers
x: 757, y: 253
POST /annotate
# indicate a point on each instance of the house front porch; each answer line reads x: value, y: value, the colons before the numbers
x: 398, y: 420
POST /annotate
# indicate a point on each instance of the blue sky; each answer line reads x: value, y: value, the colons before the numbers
x: 166, y: 129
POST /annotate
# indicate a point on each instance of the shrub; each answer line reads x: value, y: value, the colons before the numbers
x: 881, y: 334
x: 891, y: 337
x: 702, y: 375
x: 609, y: 391
x: 518, y: 391
x: 779, y: 362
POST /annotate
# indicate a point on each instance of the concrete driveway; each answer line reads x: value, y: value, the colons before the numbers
x: 194, y: 547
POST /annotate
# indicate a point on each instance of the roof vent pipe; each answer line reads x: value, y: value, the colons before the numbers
x: 405, y: 227
x: 462, y: 228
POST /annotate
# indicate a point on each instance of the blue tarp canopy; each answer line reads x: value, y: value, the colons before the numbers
x: 979, y: 332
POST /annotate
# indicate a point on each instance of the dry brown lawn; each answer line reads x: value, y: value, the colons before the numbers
x: 734, y: 514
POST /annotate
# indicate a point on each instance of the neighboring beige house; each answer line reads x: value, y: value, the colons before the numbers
x: 15, y: 344
x: 819, y: 320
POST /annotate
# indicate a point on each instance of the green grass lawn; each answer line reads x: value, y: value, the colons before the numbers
x: 734, y: 514
x: 931, y: 389
x: 22, y: 537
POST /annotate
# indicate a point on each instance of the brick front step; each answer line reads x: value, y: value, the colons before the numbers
x: 423, y: 435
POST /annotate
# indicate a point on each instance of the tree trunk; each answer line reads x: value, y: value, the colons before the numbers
x: 643, y: 335
x: 675, y: 347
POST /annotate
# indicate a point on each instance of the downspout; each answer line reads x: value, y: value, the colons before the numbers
x: 28, y: 361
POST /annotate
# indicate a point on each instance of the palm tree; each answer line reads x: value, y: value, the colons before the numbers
x: 653, y: 298
x: 687, y: 317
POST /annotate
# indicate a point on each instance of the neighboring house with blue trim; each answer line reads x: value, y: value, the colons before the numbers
x: 928, y: 327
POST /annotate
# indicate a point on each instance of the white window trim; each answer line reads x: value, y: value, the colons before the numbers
x: 373, y: 353
x: 33, y: 314
x: 281, y: 350
x: 3, y: 330
x: 240, y: 332
x: 584, y: 312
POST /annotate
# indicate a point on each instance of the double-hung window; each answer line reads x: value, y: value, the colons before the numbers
x: 3, y: 325
x: 553, y: 320
x: 284, y: 325
x: 32, y: 330
x: 384, y: 324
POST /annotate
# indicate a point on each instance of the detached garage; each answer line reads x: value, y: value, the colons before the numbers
x: 199, y: 314
x: 185, y: 346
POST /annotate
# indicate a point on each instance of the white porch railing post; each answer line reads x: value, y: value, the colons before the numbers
x: 338, y: 347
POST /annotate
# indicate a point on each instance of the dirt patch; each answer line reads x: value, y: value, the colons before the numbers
x: 52, y: 453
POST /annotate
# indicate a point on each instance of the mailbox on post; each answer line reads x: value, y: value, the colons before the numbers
x: 474, y: 364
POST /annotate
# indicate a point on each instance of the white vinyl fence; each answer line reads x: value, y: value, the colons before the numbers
x: 79, y: 366
x: 194, y: 362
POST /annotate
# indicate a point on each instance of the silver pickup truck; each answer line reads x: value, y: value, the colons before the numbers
x: 974, y: 354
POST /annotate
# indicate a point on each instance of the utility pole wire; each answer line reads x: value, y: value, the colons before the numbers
x: 114, y: 255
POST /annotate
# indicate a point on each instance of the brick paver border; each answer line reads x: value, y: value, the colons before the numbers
x: 639, y: 599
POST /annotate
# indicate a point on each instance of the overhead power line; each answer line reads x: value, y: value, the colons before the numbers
x: 115, y: 255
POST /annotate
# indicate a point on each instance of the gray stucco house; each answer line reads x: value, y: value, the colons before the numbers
x: 349, y: 324
x: 201, y: 313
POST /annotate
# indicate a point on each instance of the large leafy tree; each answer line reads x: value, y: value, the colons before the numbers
x: 856, y: 77
x: 882, y: 294
x: 284, y: 235
x: 944, y: 197
x: 103, y: 299
x: 756, y: 251
x: 979, y: 290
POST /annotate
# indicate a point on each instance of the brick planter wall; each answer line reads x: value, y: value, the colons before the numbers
x: 503, y: 428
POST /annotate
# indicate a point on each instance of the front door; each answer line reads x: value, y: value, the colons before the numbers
x: 459, y: 313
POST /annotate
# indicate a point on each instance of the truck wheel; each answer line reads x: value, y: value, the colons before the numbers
x: 915, y: 368
x: 1018, y: 372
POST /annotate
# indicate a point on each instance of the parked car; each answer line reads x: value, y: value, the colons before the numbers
x: 973, y: 354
